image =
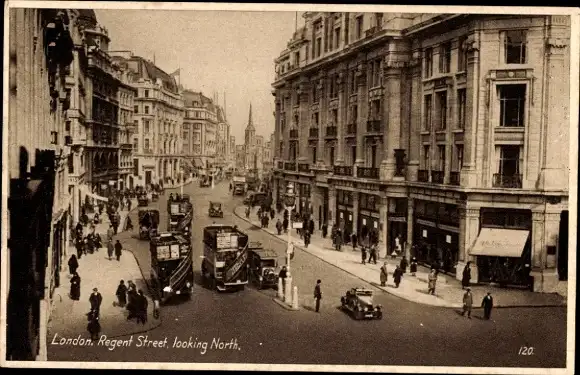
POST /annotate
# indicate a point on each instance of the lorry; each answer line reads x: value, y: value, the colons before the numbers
x: 180, y: 216
x: 225, y: 258
x: 171, y: 266
x: 238, y: 185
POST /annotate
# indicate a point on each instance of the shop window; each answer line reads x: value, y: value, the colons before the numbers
x: 512, y: 99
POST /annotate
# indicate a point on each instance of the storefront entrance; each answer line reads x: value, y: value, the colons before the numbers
x: 148, y: 178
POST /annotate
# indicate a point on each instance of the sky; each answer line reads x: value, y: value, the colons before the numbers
x: 217, y: 52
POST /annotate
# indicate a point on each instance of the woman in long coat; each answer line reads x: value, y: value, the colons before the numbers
x: 73, y: 264
x: 432, y: 281
x: 75, y: 287
x: 413, y: 267
x: 384, y: 274
x: 466, y: 276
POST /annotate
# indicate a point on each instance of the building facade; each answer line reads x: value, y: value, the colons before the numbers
x: 240, y: 158
x: 435, y: 129
x: 200, y: 130
x: 157, y: 121
x: 127, y: 128
x: 38, y: 131
x: 222, y: 139
x: 232, y: 153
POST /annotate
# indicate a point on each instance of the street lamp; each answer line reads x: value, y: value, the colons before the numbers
x: 289, y: 201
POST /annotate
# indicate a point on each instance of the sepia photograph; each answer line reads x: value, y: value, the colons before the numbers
x: 289, y: 187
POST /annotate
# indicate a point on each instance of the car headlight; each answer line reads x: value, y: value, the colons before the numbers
x: 167, y: 289
x: 188, y: 284
x: 366, y: 309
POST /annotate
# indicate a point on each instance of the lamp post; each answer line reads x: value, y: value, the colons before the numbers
x: 289, y: 201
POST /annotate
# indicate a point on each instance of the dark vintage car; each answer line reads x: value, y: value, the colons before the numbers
x: 359, y: 303
x: 215, y: 209
x: 205, y: 181
x: 143, y: 200
x: 263, y: 267
x: 255, y: 199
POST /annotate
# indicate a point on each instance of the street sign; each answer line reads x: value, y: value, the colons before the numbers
x: 297, y: 225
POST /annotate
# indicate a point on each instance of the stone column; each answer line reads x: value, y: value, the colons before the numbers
x: 278, y: 136
x: 322, y: 115
x: 363, y: 110
x: 384, y: 227
x: 468, y: 232
x: 342, y: 115
x: 332, y: 208
x: 545, y: 230
x: 303, y: 122
x: 355, y: 211
x: 410, y: 221
x: 414, y: 145
x: 391, y: 119
x: 469, y: 170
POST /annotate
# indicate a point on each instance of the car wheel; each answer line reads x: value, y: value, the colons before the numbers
x: 380, y: 316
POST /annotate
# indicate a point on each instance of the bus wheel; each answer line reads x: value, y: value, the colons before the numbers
x: 213, y: 283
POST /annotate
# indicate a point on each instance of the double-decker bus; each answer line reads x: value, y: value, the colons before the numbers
x: 225, y: 257
x: 180, y: 217
x: 171, y: 265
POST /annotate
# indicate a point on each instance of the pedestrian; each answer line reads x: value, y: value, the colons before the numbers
x: 285, y: 224
x: 466, y: 278
x: 116, y: 221
x: 110, y: 249
x: 373, y: 254
x: 282, y: 275
x: 324, y: 230
x: 75, y: 287
x: 73, y: 264
x: 413, y: 267
x: 432, y: 281
x: 403, y: 264
x: 272, y: 213
x: 142, y: 304
x: 317, y: 294
x: 311, y: 226
x: 110, y: 233
x: 487, y: 304
x: 397, y: 275
x: 95, y: 300
x: 398, y: 247
x: 467, y: 302
x: 98, y: 242
x: 118, y: 250
x: 363, y: 254
x: 384, y: 274
x: 131, y: 300
x: 279, y: 227
x: 121, y: 293
x: 94, y: 327
x: 128, y: 224
x: 338, y: 240
x: 306, y: 238
x: 353, y: 239
x: 129, y: 203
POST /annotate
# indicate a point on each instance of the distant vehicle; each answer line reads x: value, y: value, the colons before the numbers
x: 180, y: 216
x: 154, y: 196
x: 255, y: 199
x: 215, y: 209
x: 171, y: 266
x: 263, y: 266
x: 358, y: 302
x: 239, y: 185
x: 225, y: 257
x: 205, y: 181
x: 148, y: 224
x: 143, y: 200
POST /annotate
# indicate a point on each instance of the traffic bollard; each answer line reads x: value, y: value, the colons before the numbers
x: 288, y: 291
x: 295, y: 298
x: 280, y: 289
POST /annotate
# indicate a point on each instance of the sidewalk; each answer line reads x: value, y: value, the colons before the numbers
x: 412, y: 288
x: 68, y: 318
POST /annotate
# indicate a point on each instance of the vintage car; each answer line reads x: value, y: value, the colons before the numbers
x: 359, y: 303
x: 148, y: 224
x: 143, y: 200
x: 215, y: 209
x: 263, y: 266
x: 205, y: 181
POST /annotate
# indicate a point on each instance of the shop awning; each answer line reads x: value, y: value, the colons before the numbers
x: 500, y: 242
x: 198, y: 163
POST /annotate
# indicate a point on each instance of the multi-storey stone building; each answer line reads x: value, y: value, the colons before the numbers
x: 222, y: 139
x: 232, y: 153
x: 449, y: 131
x: 200, y: 130
x: 127, y: 128
x: 241, y: 158
x: 157, y: 120
x: 38, y: 203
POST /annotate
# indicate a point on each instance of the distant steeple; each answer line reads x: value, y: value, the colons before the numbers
x: 250, y: 121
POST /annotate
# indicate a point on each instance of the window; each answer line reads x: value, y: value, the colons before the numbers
x: 515, y: 47
x: 297, y: 58
x: 373, y: 156
x: 334, y: 117
x: 354, y: 114
x: 376, y: 73
x: 428, y: 112
x: 442, y: 109
x: 359, y: 27
x: 337, y: 38
x: 136, y: 108
x: 146, y: 126
x: 428, y: 68
x: 146, y: 93
x: 313, y: 155
x: 512, y: 100
x: 461, y: 103
x: 509, y: 162
x: 441, y: 159
x: 184, y: 135
x: 333, y: 87
x: 146, y: 109
x: 332, y: 156
x: 459, y: 153
x: 71, y: 164
x: 315, y: 119
x: 318, y: 46
x: 135, y: 143
x: 353, y: 82
x: 462, y: 55
x: 146, y: 144
x: 445, y: 57
x: 378, y: 19
x: 426, y: 158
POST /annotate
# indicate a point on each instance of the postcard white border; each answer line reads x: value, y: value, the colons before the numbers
x: 573, y: 182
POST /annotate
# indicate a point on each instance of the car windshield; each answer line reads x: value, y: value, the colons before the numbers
x: 368, y: 293
x: 216, y: 206
x: 268, y: 263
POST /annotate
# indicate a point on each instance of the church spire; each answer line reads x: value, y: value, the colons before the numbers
x: 250, y: 121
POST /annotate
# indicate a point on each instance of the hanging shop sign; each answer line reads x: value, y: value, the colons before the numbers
x: 425, y: 233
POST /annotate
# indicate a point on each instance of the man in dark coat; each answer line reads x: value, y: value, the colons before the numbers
x: 94, y: 327
x: 75, y: 287
x: 121, y: 294
x: 384, y: 274
x: 324, y: 230
x: 467, y: 303
x: 279, y: 227
x: 466, y: 278
x: 353, y: 240
x: 73, y: 264
x: 311, y: 226
x: 282, y: 275
x: 132, y: 300
x: 403, y: 264
x: 95, y: 300
x: 142, y: 304
x: 118, y: 250
x: 487, y: 304
x: 317, y: 294
x: 397, y: 275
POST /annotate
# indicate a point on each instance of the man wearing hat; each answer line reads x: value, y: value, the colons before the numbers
x: 487, y: 304
x: 467, y: 302
x: 95, y: 299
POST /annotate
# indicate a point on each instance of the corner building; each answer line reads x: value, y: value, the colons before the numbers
x: 450, y: 131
